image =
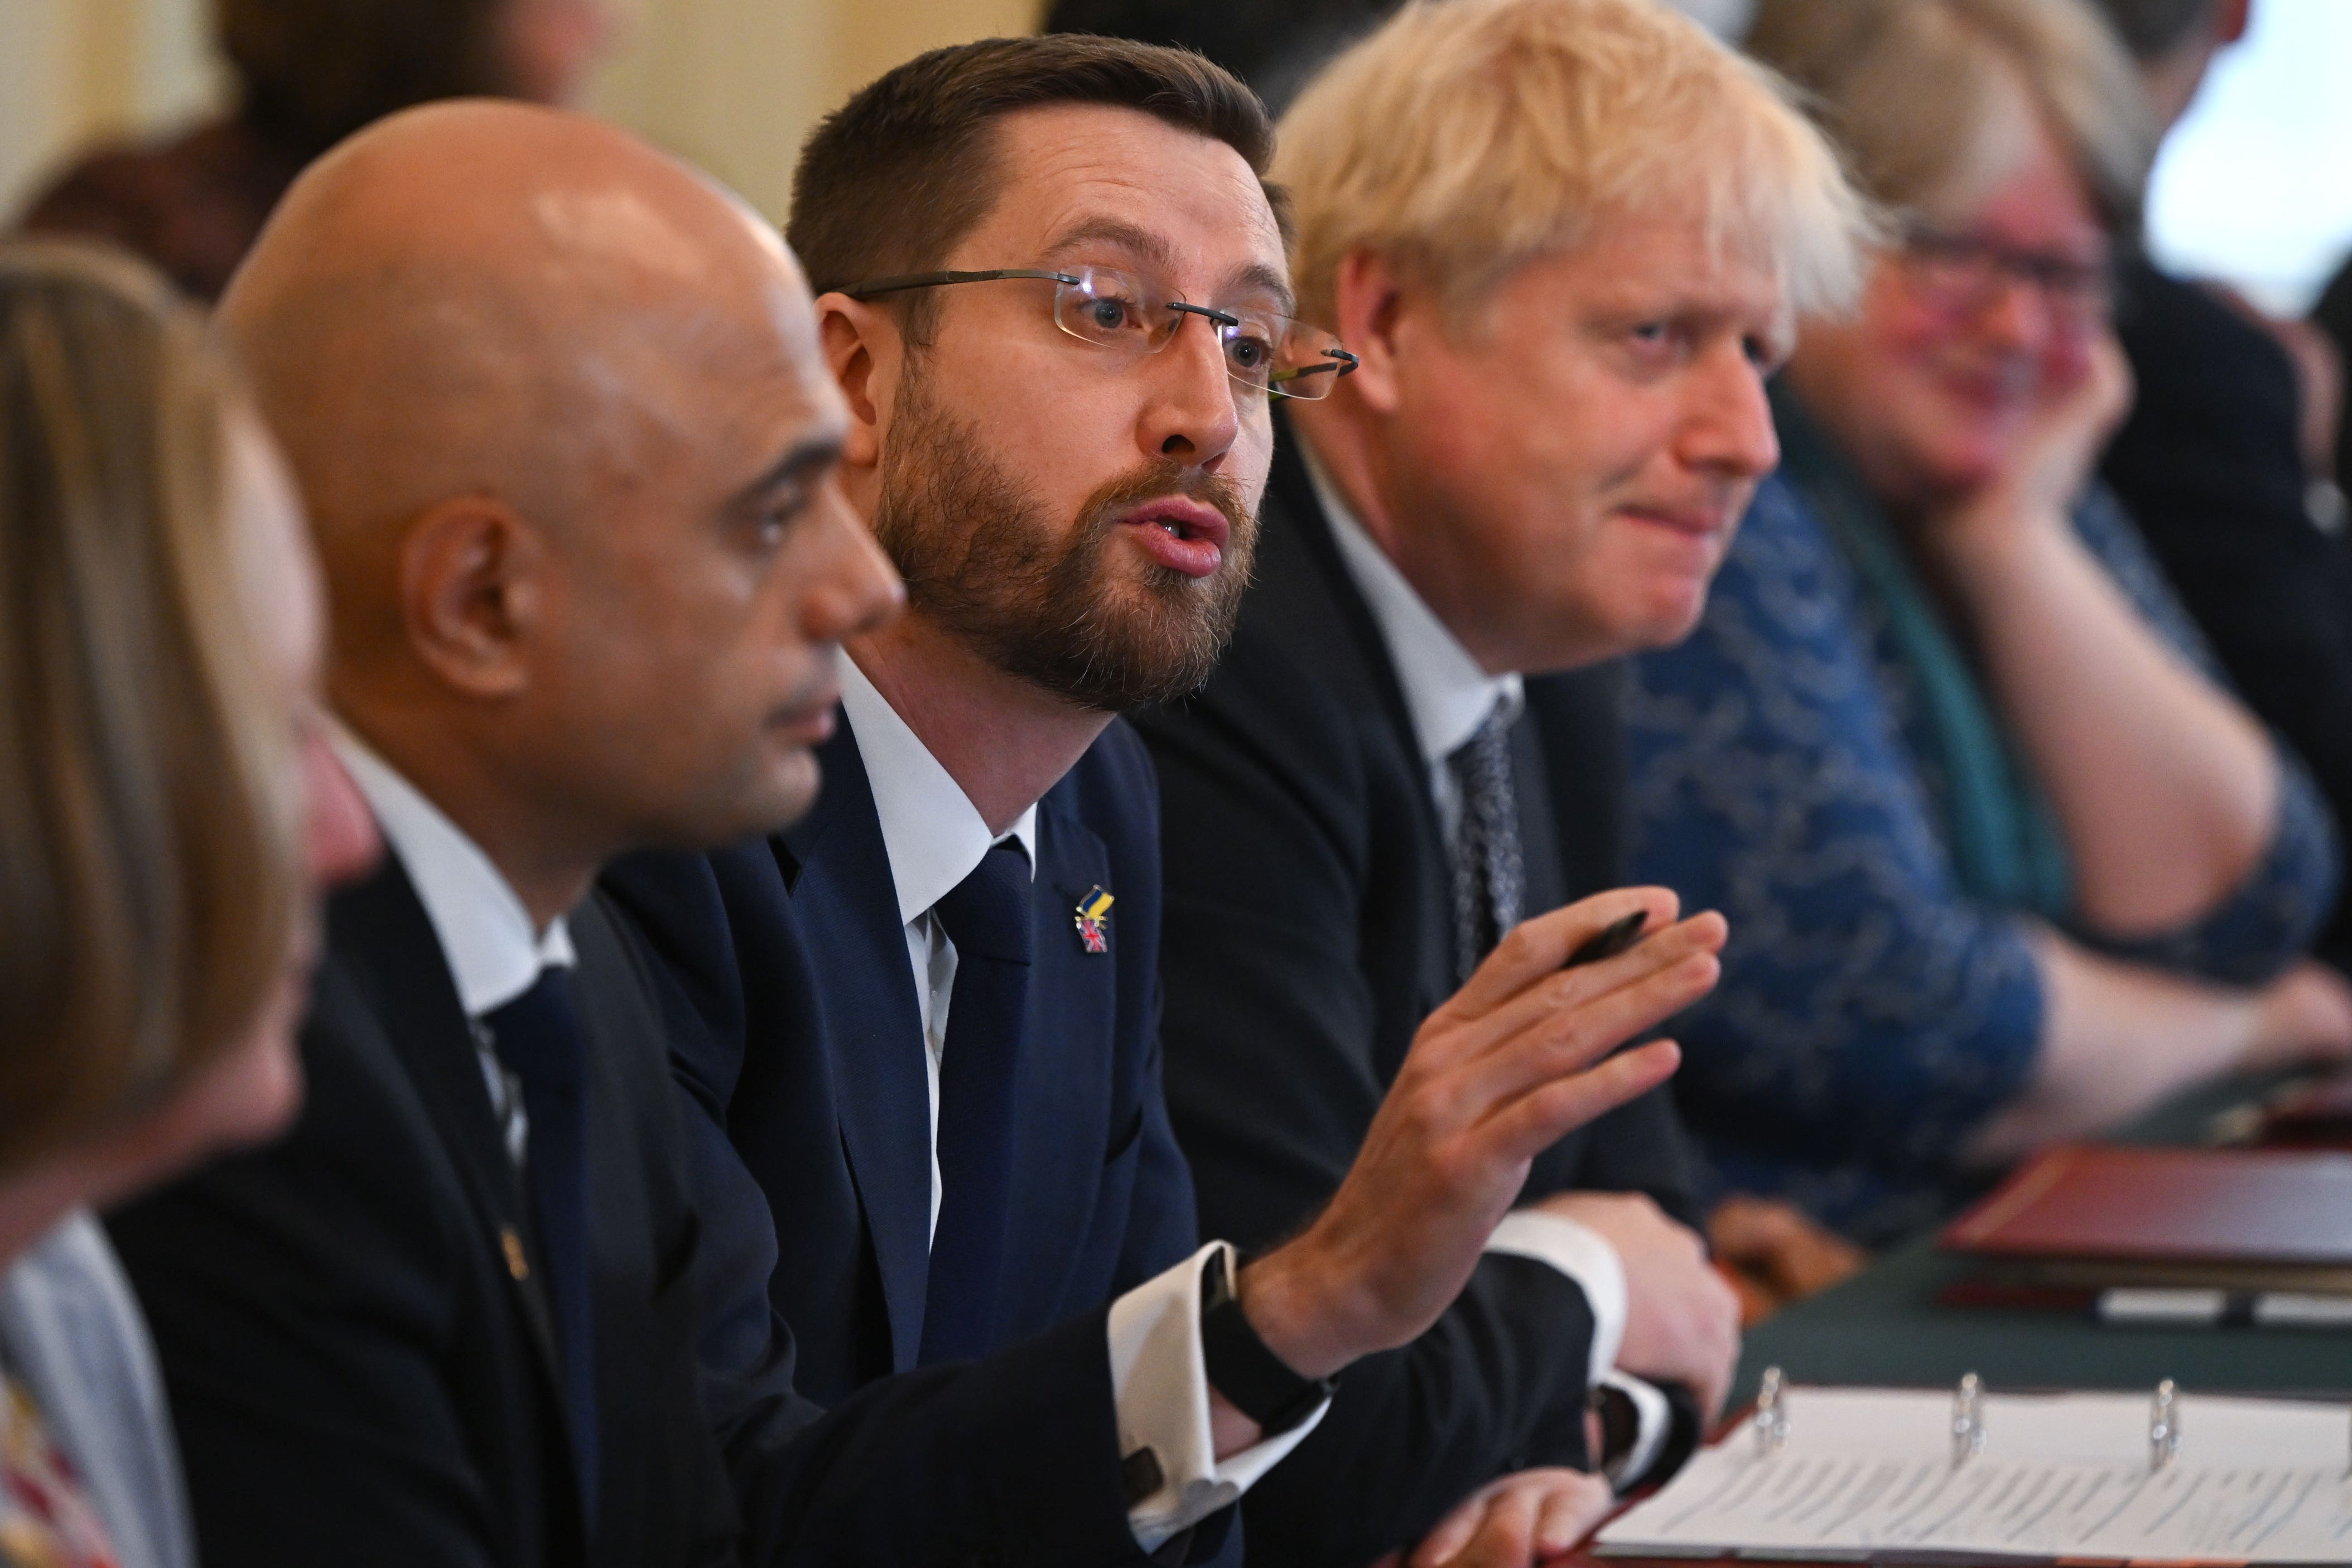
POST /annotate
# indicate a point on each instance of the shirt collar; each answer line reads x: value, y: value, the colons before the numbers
x: 1447, y: 692
x: 934, y: 835
x: 485, y: 935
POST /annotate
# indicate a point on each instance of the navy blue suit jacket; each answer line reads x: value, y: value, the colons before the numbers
x: 799, y: 1050
x: 362, y: 1374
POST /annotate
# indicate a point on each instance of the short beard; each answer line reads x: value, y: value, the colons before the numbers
x: 983, y: 560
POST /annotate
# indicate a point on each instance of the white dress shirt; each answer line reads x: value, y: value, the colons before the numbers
x: 493, y: 952
x: 935, y: 837
x: 1448, y: 694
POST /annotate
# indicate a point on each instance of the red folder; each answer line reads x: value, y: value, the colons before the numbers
x: 2098, y: 1215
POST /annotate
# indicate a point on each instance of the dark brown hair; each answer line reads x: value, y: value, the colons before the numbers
x: 2152, y: 29
x: 892, y: 179
x: 313, y: 71
x: 149, y: 868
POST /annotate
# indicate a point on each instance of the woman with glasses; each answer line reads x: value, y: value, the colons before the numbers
x: 167, y: 810
x: 2004, y: 861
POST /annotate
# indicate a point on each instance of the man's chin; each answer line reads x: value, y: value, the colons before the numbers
x: 781, y: 793
x: 1671, y: 616
x: 793, y: 791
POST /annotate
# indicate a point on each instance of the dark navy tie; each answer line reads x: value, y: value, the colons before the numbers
x: 540, y: 1039
x: 987, y: 919
x: 1489, y: 873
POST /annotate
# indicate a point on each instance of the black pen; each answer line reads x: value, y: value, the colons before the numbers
x: 1609, y: 940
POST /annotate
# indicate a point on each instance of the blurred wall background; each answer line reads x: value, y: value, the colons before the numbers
x: 2253, y: 188
x: 732, y: 85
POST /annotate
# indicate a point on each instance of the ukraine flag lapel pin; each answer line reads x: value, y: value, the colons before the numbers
x: 1094, y: 920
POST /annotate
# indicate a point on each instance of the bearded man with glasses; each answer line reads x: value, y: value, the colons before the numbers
x: 917, y: 1033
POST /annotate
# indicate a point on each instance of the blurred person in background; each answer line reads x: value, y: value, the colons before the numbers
x: 167, y: 808
x: 309, y: 73
x: 2005, y: 862
x: 2227, y: 460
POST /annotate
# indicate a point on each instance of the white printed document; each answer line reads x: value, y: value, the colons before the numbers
x: 1869, y: 1473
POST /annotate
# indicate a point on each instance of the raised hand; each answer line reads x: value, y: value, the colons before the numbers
x: 1518, y: 1057
x: 2086, y: 391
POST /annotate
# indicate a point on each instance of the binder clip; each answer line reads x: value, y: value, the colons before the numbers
x: 1770, y: 1421
x: 1967, y: 1420
x: 2164, y: 1427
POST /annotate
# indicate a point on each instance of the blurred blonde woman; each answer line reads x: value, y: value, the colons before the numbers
x: 167, y: 812
x: 2005, y: 861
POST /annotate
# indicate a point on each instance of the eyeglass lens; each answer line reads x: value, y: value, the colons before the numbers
x: 1264, y: 352
x: 1971, y: 272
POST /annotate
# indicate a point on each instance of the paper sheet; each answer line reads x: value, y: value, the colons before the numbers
x: 1869, y: 1472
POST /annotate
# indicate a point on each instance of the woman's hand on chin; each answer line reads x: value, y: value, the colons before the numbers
x: 2086, y: 390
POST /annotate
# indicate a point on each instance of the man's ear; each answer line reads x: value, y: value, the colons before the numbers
x: 1368, y: 296
x: 2232, y: 18
x: 475, y: 586
x: 866, y: 353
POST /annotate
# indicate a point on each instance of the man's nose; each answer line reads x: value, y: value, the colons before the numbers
x: 341, y: 831
x: 1192, y: 413
x: 2016, y: 314
x: 851, y: 588
x: 1727, y: 423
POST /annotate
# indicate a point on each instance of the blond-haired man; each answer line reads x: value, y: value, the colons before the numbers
x: 1568, y: 239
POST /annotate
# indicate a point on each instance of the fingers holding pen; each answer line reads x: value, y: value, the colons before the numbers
x: 1539, y: 946
x: 1570, y: 1023
x: 1667, y: 963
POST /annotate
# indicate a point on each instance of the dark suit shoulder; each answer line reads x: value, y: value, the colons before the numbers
x: 1299, y: 708
x: 333, y: 1337
x: 1304, y: 633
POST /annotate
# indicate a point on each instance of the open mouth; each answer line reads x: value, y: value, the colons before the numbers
x: 1183, y: 535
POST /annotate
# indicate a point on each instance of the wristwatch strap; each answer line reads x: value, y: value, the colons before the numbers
x: 1241, y: 1368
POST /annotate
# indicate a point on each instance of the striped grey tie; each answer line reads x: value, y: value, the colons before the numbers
x: 1489, y: 876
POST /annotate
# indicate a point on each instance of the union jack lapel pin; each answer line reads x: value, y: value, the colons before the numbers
x: 1094, y: 920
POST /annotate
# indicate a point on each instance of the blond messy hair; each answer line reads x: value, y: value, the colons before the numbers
x: 1468, y: 138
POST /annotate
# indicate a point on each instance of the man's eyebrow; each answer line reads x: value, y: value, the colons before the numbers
x: 1142, y: 242
x: 811, y: 454
x: 1267, y: 280
x: 1153, y: 250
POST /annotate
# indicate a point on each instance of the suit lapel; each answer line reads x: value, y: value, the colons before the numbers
x: 838, y: 872
x: 1318, y: 555
x: 1062, y: 1097
x: 1291, y: 487
x: 379, y: 930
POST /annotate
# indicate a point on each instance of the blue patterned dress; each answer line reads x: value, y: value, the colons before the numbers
x: 1873, y: 1012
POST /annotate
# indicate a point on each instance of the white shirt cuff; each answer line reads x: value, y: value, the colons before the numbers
x: 1160, y: 1382
x: 1653, y: 1423
x: 1584, y: 1256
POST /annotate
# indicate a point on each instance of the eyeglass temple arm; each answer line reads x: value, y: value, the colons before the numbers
x: 1219, y: 317
x: 1345, y: 363
x: 872, y: 287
